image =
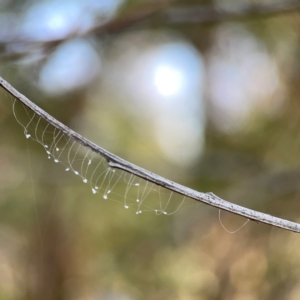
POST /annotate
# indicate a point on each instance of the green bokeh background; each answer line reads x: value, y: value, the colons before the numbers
x: 59, y: 241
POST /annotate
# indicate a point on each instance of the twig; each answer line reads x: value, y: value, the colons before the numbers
x: 119, y: 163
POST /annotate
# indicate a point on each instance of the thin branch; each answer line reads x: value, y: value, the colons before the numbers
x: 119, y: 163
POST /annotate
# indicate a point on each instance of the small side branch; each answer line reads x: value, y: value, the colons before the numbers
x: 119, y: 163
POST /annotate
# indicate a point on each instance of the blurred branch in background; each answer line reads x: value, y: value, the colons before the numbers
x: 157, y: 14
x: 198, y: 14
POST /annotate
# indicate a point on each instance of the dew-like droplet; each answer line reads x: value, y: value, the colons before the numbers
x: 94, y: 191
x: 105, y: 197
x: 67, y: 169
x: 126, y: 206
x: 56, y: 160
x: 27, y: 136
x: 76, y: 173
x: 137, y: 200
x: 85, y: 180
x: 89, y: 162
x: 137, y: 184
x: 57, y: 149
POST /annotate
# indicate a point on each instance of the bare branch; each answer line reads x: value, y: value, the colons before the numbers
x: 119, y: 163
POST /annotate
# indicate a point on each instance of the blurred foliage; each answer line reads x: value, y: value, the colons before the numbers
x: 57, y: 241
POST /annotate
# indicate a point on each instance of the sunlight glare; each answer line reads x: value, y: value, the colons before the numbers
x: 168, y: 80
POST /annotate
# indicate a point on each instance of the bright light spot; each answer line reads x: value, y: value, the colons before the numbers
x: 168, y: 99
x: 168, y: 80
x: 73, y: 65
x: 244, y: 80
x: 52, y: 20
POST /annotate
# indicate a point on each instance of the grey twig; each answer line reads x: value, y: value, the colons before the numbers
x: 119, y: 163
